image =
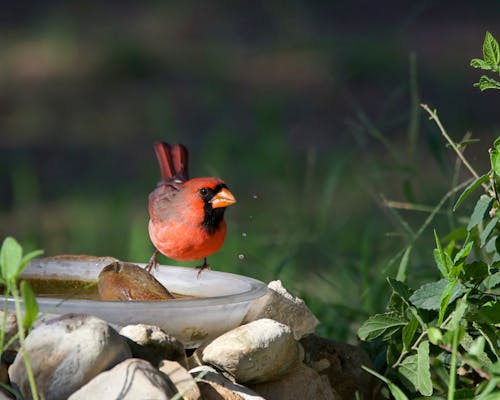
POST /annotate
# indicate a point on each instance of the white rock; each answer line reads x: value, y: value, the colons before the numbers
x: 282, y: 306
x: 130, y: 380
x: 67, y: 352
x: 302, y: 383
x: 182, y: 379
x: 208, y: 374
x: 260, y: 351
x: 153, y: 344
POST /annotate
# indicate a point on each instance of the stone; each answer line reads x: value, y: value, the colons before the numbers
x: 66, y: 352
x: 209, y: 374
x: 130, y: 380
x: 214, y: 391
x: 10, y: 329
x: 302, y: 383
x: 124, y: 281
x: 280, y: 305
x: 182, y: 379
x: 5, y: 396
x: 341, y: 364
x: 260, y: 351
x: 153, y: 344
x: 6, y: 360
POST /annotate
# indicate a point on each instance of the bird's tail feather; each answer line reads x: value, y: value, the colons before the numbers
x: 173, y: 161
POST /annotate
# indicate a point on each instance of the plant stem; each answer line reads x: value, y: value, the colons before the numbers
x: 29, y: 371
x: 414, y: 347
x: 453, y: 366
x: 479, y: 371
x: 434, y: 116
x: 4, y: 321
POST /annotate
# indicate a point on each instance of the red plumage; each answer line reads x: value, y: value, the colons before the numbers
x: 186, y: 215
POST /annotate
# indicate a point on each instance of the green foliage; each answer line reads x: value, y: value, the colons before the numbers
x: 12, y: 264
x: 452, y: 324
x: 490, y: 62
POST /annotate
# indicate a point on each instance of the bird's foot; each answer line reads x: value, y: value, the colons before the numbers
x: 202, y: 267
x: 153, y: 262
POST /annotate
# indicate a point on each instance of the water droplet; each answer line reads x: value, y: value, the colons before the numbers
x: 241, y: 256
x: 255, y: 196
x: 244, y: 234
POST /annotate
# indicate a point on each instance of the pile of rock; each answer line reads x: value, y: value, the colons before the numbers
x: 273, y: 355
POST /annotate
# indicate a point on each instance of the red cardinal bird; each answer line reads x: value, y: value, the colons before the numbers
x: 186, y: 215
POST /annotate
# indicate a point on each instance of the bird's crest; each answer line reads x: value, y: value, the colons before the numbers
x: 173, y: 160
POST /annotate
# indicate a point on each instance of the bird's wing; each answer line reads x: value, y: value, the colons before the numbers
x: 160, y: 199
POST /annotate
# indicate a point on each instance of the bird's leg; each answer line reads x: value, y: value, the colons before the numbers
x: 202, y: 267
x: 153, y: 262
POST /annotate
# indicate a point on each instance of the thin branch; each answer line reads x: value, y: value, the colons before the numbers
x: 408, y: 206
x: 479, y: 371
x: 434, y: 116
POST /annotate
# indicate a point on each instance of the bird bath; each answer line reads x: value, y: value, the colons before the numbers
x: 221, y: 299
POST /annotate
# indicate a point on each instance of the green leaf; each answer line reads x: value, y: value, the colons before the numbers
x: 491, y: 52
x: 477, y: 346
x: 457, y: 315
x: 490, y: 335
x: 469, y: 189
x: 490, y: 246
x: 408, y: 369
x: 480, y: 63
x: 409, y: 333
x: 480, y: 211
x: 435, y: 336
x: 443, y: 262
x: 30, y: 305
x: 401, y: 289
x: 487, y: 230
x: 394, y: 389
x: 445, y: 299
x: 495, y: 161
x: 403, y: 265
x: 489, y: 313
x: 475, y: 271
x: 463, y: 253
x: 486, y: 82
x: 27, y: 258
x: 10, y: 258
x: 490, y: 282
x: 424, y: 382
x: 428, y: 296
x: 378, y: 324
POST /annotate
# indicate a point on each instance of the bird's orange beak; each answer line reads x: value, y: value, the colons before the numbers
x: 224, y: 198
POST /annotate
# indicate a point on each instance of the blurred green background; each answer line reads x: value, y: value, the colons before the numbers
x: 308, y: 110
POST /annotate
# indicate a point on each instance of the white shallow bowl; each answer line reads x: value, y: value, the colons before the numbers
x: 225, y: 298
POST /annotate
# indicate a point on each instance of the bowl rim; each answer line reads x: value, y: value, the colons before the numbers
x: 256, y: 290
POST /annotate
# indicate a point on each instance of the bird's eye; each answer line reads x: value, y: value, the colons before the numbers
x: 203, y: 191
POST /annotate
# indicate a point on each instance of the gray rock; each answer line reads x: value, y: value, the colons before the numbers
x: 182, y: 379
x: 280, y: 305
x: 153, y: 344
x: 67, y: 352
x: 209, y: 374
x: 302, y: 383
x: 130, y: 380
x: 340, y: 363
x: 260, y: 351
x: 5, y: 396
x: 10, y: 329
